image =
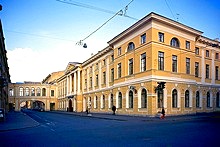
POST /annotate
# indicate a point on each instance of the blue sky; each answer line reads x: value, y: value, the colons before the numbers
x: 41, y: 35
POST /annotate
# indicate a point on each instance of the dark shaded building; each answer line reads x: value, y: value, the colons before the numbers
x: 4, y: 73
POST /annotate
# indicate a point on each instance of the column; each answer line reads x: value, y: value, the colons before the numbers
x: 212, y: 70
x: 71, y: 88
x: 67, y: 84
x: 79, y: 90
x: 203, y: 65
x: 74, y: 82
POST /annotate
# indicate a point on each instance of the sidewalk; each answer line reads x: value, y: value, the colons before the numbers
x: 17, y: 120
x: 120, y: 117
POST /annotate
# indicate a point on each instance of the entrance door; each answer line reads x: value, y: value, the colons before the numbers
x: 70, y: 106
x: 52, y: 106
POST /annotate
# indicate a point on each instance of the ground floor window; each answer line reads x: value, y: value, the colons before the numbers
x: 197, y: 99
x: 174, y: 98
x: 217, y: 100
x: 130, y: 99
x: 119, y: 100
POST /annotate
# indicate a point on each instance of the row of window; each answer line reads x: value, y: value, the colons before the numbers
x: 142, y: 103
x: 160, y: 67
x: 30, y: 92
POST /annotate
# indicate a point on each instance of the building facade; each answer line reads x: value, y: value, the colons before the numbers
x: 4, y: 73
x: 156, y: 63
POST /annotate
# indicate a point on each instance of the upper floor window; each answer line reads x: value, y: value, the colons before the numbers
x: 143, y: 62
x: 207, y: 53
x: 21, y: 91
x: 216, y: 72
x: 187, y: 65
x: 11, y: 92
x: 216, y: 55
x: 143, y: 38
x: 174, y: 63
x: 119, y: 51
x: 131, y: 46
x: 112, y: 75
x: 161, y: 37
x: 97, y: 80
x: 104, y: 62
x: 119, y: 70
x: 104, y: 77
x: 197, y: 51
x: 196, y: 69
x: 207, y: 71
x: 38, y: 91
x: 130, y: 67
x: 52, y: 92
x: 26, y: 91
x: 32, y: 91
x: 44, y: 92
x: 187, y: 45
x: 90, y: 82
x: 161, y: 60
x: 174, y: 42
x: 112, y: 58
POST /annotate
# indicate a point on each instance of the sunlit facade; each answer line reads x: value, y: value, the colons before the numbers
x: 127, y: 72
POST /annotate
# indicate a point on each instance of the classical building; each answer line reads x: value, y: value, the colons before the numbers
x: 155, y: 63
x: 4, y: 72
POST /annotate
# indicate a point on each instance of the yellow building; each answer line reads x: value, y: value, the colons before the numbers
x: 155, y: 49
x: 155, y: 63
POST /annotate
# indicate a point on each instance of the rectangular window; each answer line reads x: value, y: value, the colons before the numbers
x: 207, y: 53
x: 174, y: 63
x: 11, y: 92
x: 97, y: 66
x: 112, y: 75
x: 52, y: 93
x: 197, y: 51
x: 104, y: 77
x: 160, y: 60
x: 143, y: 62
x: 119, y: 51
x: 196, y: 69
x: 216, y: 72
x: 130, y: 66
x: 97, y: 80
x: 143, y: 38
x: 85, y: 83
x: 187, y: 65
x: 161, y: 37
x: 207, y: 71
x: 112, y: 58
x: 187, y: 45
x: 216, y: 55
x: 90, y: 82
x: 119, y: 70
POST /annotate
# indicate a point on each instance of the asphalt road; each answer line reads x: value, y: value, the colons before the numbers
x: 70, y: 130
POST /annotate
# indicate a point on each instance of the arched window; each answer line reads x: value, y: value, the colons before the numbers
x: 174, y: 98
x: 187, y: 98
x: 95, y: 102
x: 197, y: 99
x: 103, y: 102
x: 44, y: 92
x: 143, y: 98
x: 38, y: 91
x: 208, y: 102
x: 27, y: 91
x: 217, y: 100
x: 130, y: 99
x: 174, y: 42
x: 119, y: 100
x: 32, y: 91
x: 111, y: 101
x: 21, y: 91
x: 131, y: 46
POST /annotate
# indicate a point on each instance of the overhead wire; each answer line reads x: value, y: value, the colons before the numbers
x: 120, y: 12
x: 170, y: 10
x: 78, y: 4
